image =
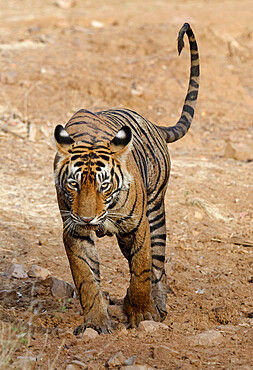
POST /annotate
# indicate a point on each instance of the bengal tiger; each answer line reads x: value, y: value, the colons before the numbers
x: 111, y: 173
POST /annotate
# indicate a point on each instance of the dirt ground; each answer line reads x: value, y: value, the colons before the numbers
x: 102, y: 54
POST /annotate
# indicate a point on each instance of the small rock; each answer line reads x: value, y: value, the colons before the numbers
x: 61, y: 289
x: 117, y: 360
x: 65, y: 4
x: 97, y: 24
x: 9, y: 77
x: 206, y: 338
x: 239, y: 152
x: 73, y: 367
x: 89, y: 334
x: 130, y: 361
x: 150, y: 325
x: 36, y: 271
x: 58, y: 288
x: 164, y: 353
x: 136, y: 90
x: 17, y: 271
x: 198, y: 215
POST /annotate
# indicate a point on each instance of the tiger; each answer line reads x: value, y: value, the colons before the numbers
x: 111, y: 173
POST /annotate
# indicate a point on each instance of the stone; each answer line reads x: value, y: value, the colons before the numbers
x: 117, y: 360
x: 89, y: 334
x: 150, y: 326
x: 164, y: 352
x: 198, y: 215
x: 97, y: 24
x: 206, y: 338
x: 130, y: 361
x: 16, y: 271
x: 136, y: 90
x: 65, y: 4
x: 36, y: 271
x: 240, y: 152
x: 73, y: 367
x: 61, y: 289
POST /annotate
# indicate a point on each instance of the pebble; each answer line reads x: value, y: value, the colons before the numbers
x: 130, y: 361
x: 73, y: 367
x: 16, y: 271
x: 239, y: 152
x: 117, y: 360
x: 36, y: 271
x: 97, y: 24
x: 150, y: 326
x: 89, y: 334
x: 164, y: 352
x: 136, y: 90
x: 206, y: 338
x: 65, y: 4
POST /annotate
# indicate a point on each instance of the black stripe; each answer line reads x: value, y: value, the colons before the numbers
x: 158, y: 217
x: 188, y: 109
x: 192, y: 95
x: 159, y: 244
x: 158, y: 257
x: 193, y: 45
x: 158, y: 236
x: 195, y: 71
x: 157, y: 226
x: 156, y: 267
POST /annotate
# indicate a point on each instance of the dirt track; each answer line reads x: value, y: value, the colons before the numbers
x: 55, y: 61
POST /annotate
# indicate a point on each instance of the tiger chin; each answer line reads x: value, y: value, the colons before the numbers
x: 111, y: 173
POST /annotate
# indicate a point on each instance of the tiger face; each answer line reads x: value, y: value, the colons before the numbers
x: 90, y: 179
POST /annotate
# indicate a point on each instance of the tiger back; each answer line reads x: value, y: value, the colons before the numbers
x: 111, y: 173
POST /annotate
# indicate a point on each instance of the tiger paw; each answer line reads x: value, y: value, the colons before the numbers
x: 136, y: 314
x: 100, y: 329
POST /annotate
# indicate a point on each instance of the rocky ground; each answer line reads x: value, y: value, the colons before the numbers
x: 57, y: 57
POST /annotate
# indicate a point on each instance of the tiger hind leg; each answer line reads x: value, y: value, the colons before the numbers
x: 158, y: 245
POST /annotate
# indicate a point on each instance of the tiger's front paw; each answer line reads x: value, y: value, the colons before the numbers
x: 101, y: 328
x: 138, y: 313
x: 97, y: 320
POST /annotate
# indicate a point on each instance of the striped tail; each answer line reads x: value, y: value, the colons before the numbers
x: 176, y: 132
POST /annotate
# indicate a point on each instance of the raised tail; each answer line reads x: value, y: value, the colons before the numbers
x: 177, y: 131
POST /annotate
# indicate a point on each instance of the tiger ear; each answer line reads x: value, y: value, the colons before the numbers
x: 121, y: 143
x: 62, y: 139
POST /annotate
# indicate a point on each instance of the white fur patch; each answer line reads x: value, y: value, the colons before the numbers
x: 121, y: 134
x: 63, y: 133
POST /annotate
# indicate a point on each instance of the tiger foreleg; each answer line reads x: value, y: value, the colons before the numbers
x: 138, y: 303
x: 83, y: 259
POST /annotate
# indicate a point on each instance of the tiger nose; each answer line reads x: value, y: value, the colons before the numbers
x: 87, y: 219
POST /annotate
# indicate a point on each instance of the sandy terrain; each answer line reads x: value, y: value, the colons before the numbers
x: 102, y: 54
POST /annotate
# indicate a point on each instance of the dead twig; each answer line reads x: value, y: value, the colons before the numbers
x: 235, y: 240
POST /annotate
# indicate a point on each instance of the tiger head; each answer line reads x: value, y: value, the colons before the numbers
x: 90, y: 177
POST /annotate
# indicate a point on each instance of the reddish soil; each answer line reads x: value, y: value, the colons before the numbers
x: 55, y: 61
